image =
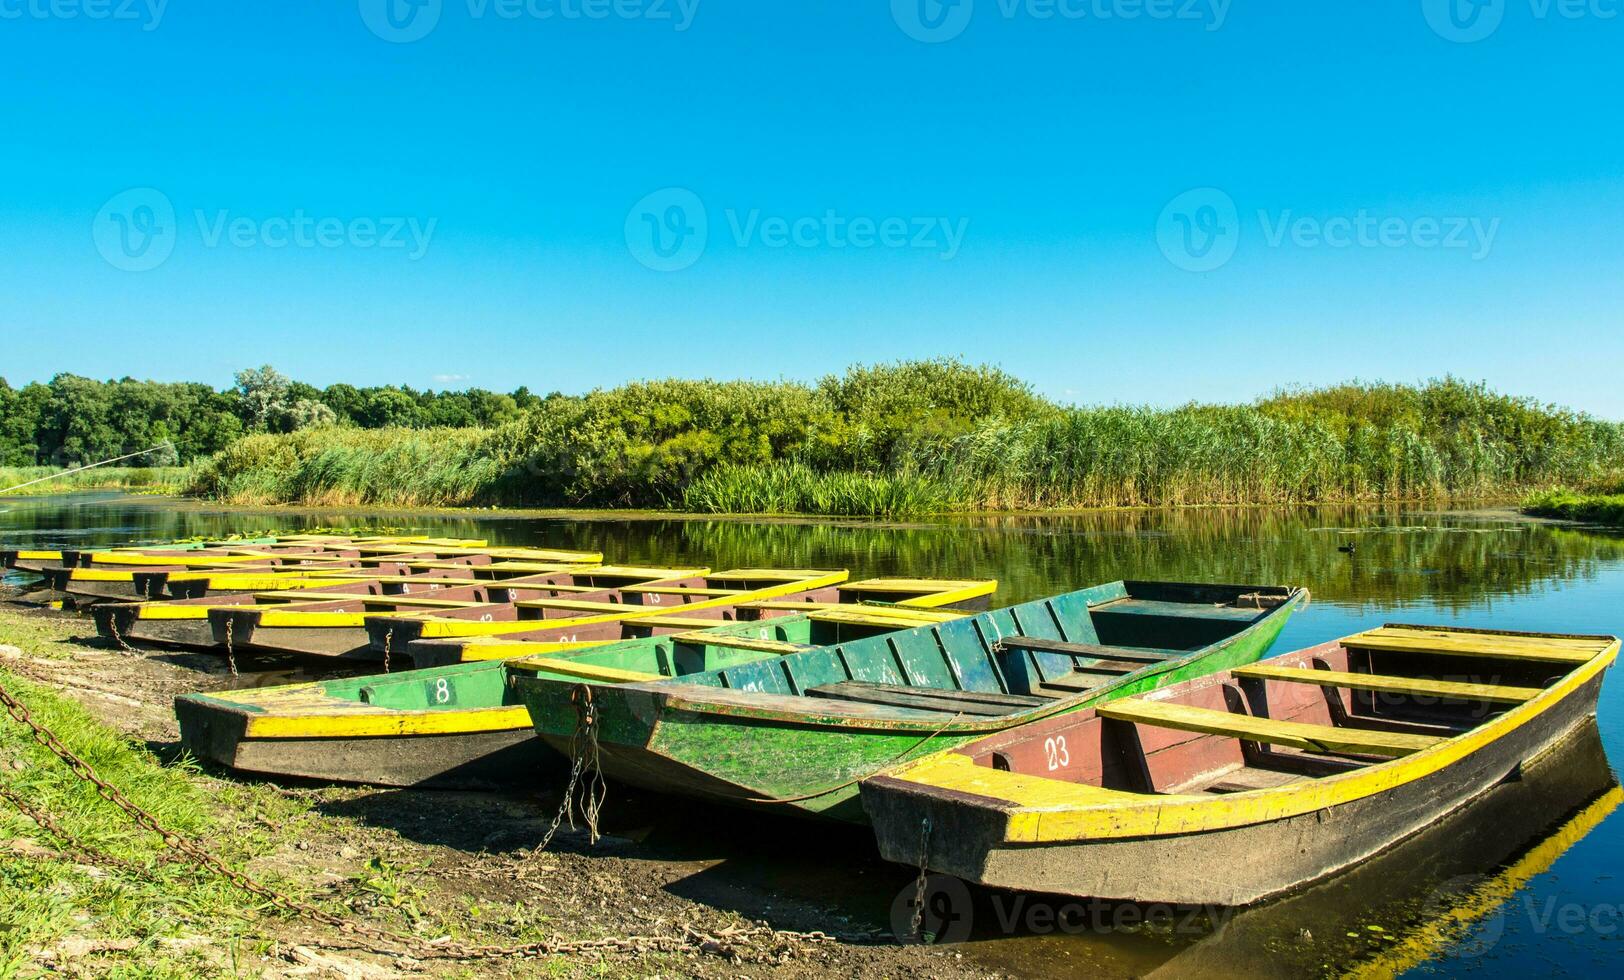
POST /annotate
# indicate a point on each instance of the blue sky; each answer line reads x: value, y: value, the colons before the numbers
x: 1119, y: 200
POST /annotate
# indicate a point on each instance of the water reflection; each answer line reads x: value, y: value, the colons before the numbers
x: 1450, y: 560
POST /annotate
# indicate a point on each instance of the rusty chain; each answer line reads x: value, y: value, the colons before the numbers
x: 231, y: 654
x: 918, y: 923
x: 379, y: 939
x: 388, y: 641
x: 112, y: 629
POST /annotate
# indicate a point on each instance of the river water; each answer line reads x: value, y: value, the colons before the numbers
x: 1527, y: 880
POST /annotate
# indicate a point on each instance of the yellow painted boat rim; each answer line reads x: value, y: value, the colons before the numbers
x: 1038, y: 810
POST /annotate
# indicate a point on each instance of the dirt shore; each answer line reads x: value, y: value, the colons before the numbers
x: 703, y: 881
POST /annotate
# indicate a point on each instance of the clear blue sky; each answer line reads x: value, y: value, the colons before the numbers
x: 1056, y: 150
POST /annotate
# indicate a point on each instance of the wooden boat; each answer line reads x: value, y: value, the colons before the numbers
x: 600, y: 594
x: 185, y: 622
x: 688, y: 612
x: 797, y: 733
x: 1234, y: 787
x: 461, y: 725
x: 1426, y: 894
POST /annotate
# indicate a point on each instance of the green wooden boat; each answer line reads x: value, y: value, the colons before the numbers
x: 798, y: 733
x: 460, y: 726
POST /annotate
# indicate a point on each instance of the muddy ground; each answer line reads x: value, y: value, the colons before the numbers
x: 664, y: 866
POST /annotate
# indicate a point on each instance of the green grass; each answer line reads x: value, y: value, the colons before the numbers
x: 1598, y: 508
x: 154, y: 479
x: 793, y: 488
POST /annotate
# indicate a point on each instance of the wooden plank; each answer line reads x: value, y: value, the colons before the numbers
x: 742, y: 642
x: 1149, y: 655
x: 1470, y: 647
x: 927, y: 699
x: 1391, y: 684
x: 1006, y: 700
x: 593, y: 672
x: 1317, y: 738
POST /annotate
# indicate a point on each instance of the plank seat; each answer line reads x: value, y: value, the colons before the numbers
x: 1157, y: 607
x: 1390, y: 684
x: 1149, y: 655
x: 1317, y: 738
x: 681, y: 590
x: 745, y: 642
x: 1074, y: 684
x: 591, y: 672
x: 926, y: 698
x: 1485, y: 645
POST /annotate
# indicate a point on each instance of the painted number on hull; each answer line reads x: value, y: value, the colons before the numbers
x: 1054, y: 750
x: 440, y: 691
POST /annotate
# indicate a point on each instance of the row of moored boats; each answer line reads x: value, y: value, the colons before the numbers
x: 1130, y: 740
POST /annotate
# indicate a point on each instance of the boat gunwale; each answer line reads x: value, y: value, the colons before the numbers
x: 1175, y: 815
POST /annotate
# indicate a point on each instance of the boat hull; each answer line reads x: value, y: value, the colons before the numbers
x: 1230, y: 867
x: 801, y: 766
x: 459, y: 760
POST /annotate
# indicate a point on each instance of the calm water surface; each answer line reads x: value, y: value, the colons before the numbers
x: 1532, y: 879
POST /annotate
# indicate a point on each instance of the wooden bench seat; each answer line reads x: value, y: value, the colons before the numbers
x: 1559, y: 650
x: 928, y: 698
x: 1316, y: 738
x: 1099, y: 651
x: 1390, y: 684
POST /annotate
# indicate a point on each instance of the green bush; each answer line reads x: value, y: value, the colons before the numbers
x: 938, y: 435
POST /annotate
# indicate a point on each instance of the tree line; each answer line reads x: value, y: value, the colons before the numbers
x: 74, y: 420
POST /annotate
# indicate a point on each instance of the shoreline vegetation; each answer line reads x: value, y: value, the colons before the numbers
x: 890, y: 441
x: 1567, y: 505
x: 133, y: 479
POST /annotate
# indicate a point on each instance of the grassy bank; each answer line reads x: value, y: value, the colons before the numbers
x: 154, y: 479
x: 936, y: 436
x: 1593, y: 508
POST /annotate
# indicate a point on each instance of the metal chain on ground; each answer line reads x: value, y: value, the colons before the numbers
x: 586, y: 724
x: 112, y: 629
x: 48, y: 824
x: 231, y: 654
x: 919, y: 886
x: 380, y: 939
x: 388, y: 641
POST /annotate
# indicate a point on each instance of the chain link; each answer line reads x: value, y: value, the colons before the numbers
x: 388, y: 641
x: 583, y: 752
x: 231, y: 654
x: 112, y: 629
x: 918, y: 924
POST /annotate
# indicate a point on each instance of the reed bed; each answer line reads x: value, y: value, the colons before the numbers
x: 1563, y: 504
x: 911, y: 439
x: 136, y: 479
